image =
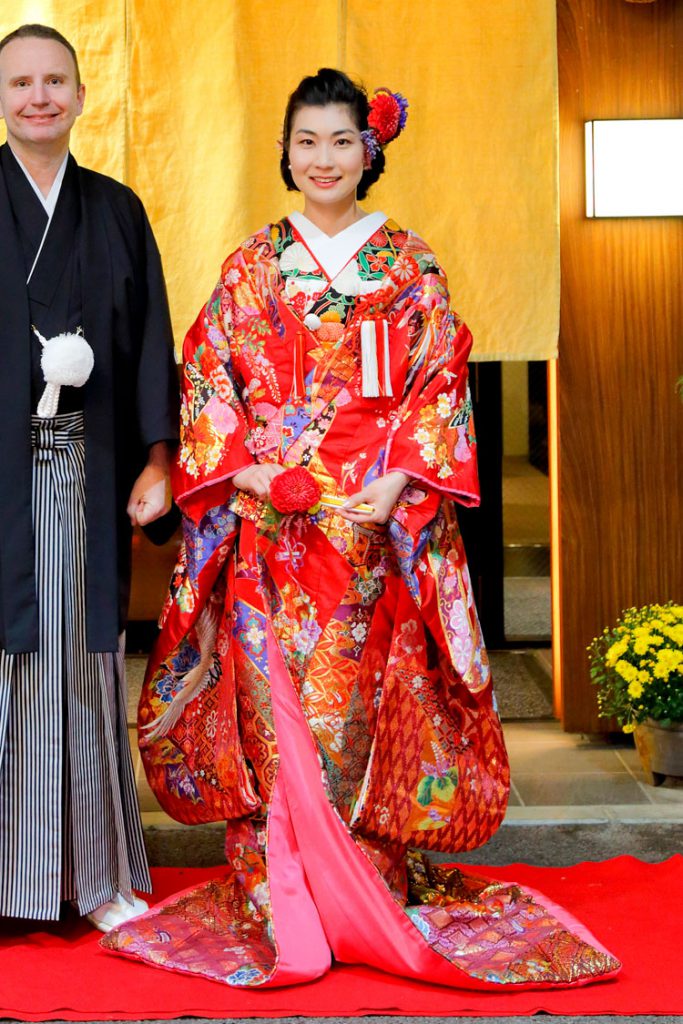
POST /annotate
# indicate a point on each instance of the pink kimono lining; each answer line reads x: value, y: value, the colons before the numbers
x: 362, y: 921
x: 327, y: 898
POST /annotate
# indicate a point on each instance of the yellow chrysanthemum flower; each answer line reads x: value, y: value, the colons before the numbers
x: 675, y: 633
x: 626, y: 670
x: 615, y: 652
x: 638, y: 663
x: 667, y: 662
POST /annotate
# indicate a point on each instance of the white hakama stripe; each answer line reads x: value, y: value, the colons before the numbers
x: 69, y: 819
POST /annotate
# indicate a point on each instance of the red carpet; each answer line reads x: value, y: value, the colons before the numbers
x: 60, y: 972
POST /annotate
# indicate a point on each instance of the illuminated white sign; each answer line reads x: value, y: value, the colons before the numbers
x: 634, y: 168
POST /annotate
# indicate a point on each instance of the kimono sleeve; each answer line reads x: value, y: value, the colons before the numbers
x: 432, y: 437
x: 213, y: 423
x: 157, y: 382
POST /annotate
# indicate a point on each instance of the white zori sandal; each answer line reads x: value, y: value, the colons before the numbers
x: 115, y: 912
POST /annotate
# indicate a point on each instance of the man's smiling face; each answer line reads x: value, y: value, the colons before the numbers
x: 40, y: 97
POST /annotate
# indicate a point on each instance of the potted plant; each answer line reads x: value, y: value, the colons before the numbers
x: 637, y: 666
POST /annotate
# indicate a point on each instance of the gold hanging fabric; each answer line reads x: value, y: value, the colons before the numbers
x: 185, y: 103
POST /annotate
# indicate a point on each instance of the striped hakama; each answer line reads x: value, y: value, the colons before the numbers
x: 69, y: 819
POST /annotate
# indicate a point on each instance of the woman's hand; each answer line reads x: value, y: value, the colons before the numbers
x: 256, y: 479
x: 382, y: 494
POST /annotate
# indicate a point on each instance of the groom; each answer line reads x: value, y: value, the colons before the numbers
x: 78, y: 257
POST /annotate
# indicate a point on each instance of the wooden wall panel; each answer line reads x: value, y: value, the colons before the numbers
x: 621, y: 344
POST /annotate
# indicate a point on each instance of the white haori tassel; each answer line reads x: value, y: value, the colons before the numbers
x: 375, y: 359
x: 67, y: 359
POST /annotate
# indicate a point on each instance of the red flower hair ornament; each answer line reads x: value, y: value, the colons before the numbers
x: 386, y: 119
x: 295, y: 490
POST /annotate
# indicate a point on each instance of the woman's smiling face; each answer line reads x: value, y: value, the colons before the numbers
x: 326, y: 154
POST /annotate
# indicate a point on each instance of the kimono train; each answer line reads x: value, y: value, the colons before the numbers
x: 322, y: 685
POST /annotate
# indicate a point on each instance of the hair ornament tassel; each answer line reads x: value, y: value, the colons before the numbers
x: 370, y: 144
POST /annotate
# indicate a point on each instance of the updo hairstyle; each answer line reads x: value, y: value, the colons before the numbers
x: 327, y: 87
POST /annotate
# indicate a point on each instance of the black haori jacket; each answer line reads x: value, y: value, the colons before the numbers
x: 129, y: 403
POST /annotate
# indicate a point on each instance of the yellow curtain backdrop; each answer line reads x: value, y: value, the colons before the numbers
x: 185, y: 104
x: 97, y: 30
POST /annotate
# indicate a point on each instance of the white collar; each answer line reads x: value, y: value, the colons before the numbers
x: 50, y: 200
x: 334, y: 252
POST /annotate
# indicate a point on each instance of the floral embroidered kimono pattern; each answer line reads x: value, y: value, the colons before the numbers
x: 323, y: 685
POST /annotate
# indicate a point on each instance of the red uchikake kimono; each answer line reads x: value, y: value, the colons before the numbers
x: 321, y: 685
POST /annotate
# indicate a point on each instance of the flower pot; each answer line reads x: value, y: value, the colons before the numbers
x: 660, y: 748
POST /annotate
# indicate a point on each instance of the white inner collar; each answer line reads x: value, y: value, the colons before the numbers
x: 334, y: 252
x: 50, y: 200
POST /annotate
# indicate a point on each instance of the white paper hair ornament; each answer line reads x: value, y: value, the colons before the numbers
x: 67, y: 359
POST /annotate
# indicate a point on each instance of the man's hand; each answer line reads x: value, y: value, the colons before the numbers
x: 151, y: 495
x: 382, y: 494
x: 256, y: 479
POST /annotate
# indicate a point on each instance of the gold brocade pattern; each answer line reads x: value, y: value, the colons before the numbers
x: 349, y: 659
x: 478, y: 923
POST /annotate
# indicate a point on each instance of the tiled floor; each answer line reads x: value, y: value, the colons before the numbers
x: 559, y: 776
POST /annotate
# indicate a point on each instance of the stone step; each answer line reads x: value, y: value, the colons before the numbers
x: 554, y: 841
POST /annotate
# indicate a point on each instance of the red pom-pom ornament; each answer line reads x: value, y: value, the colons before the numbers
x: 295, y: 490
